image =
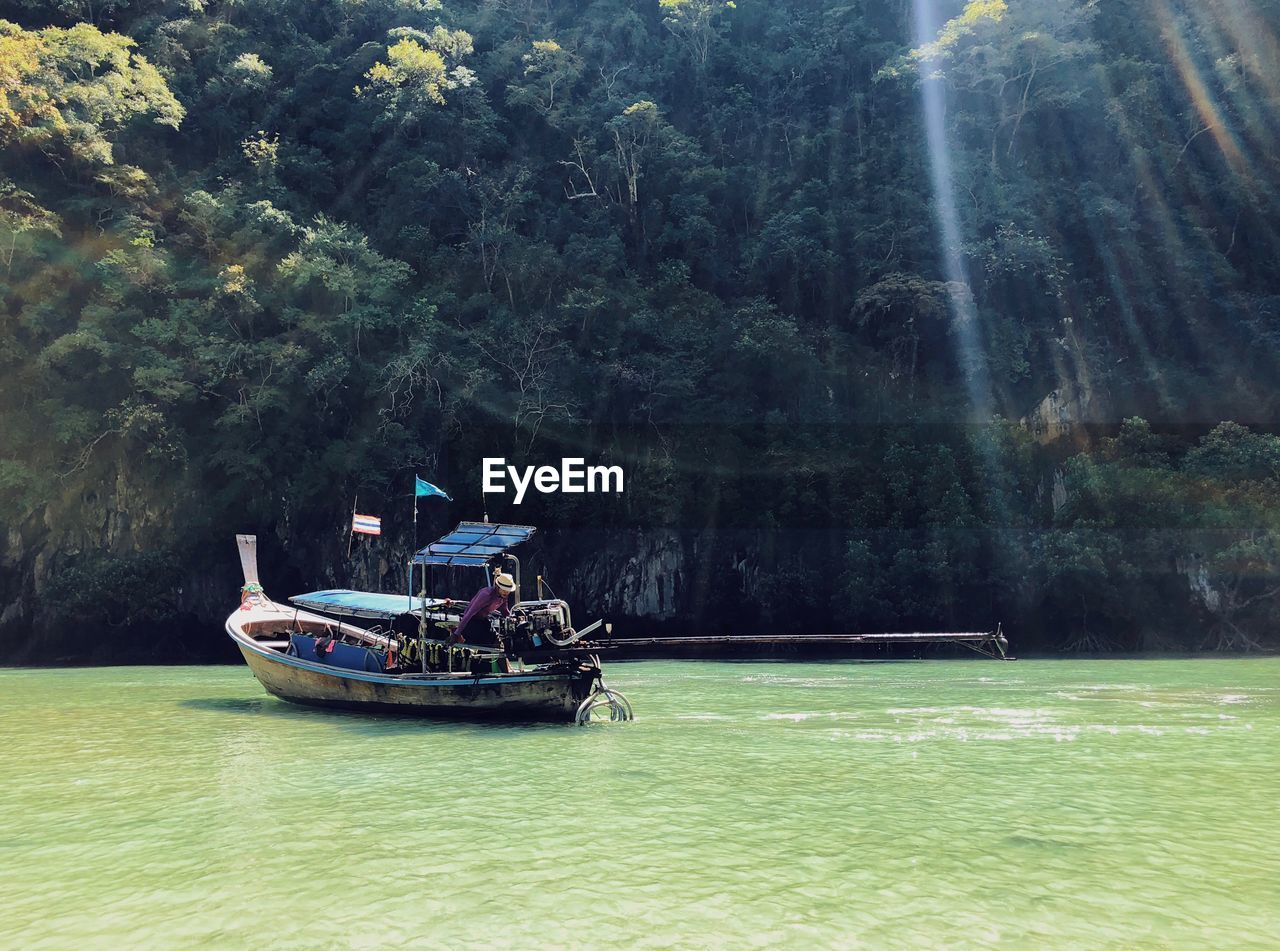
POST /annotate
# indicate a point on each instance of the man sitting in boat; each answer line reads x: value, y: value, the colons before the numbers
x: 486, y: 602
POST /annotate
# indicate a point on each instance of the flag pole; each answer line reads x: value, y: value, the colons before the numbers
x: 418, y: 486
x: 351, y: 526
x: 413, y: 550
x: 422, y: 605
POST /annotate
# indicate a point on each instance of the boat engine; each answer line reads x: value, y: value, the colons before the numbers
x: 542, y: 624
x: 545, y: 623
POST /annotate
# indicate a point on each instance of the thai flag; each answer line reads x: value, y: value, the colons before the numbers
x: 366, y: 525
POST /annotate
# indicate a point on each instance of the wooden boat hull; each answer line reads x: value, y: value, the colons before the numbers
x: 547, y: 697
x: 538, y: 695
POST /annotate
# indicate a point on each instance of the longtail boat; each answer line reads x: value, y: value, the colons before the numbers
x: 401, y: 657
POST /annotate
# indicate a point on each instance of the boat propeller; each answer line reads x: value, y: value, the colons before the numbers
x: 604, y: 705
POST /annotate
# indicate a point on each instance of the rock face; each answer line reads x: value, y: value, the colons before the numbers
x: 1065, y: 413
x: 108, y: 511
x: 640, y: 578
x: 1058, y: 496
x: 638, y: 574
x: 665, y: 581
x: 1193, y: 568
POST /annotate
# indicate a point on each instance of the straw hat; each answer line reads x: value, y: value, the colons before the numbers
x: 504, y: 582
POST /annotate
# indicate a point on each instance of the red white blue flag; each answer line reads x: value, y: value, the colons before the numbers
x: 366, y: 525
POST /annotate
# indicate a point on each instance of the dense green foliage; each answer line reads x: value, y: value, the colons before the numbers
x: 258, y: 257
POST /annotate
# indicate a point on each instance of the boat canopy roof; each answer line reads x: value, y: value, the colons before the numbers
x: 361, y: 603
x: 473, y: 544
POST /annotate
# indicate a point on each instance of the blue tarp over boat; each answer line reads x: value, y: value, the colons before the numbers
x: 339, y: 655
x: 360, y: 603
x: 473, y: 544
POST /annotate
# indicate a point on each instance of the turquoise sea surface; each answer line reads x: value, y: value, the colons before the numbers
x: 1073, y: 804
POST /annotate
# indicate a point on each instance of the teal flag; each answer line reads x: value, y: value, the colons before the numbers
x: 426, y: 488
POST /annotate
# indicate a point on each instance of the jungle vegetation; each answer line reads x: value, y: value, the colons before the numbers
x: 898, y: 314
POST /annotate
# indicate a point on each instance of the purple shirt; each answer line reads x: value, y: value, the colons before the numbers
x: 486, y: 601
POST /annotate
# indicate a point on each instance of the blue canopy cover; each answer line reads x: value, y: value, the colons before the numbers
x: 473, y: 544
x: 360, y: 603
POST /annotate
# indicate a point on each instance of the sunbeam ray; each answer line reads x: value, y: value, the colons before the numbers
x: 970, y: 351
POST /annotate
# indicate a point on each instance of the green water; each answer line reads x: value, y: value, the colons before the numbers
x: 1039, y: 803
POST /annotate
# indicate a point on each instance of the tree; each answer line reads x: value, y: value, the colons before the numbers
x: 21, y: 217
x: 633, y: 130
x: 76, y: 87
x: 344, y: 288
x: 419, y: 69
x: 550, y: 71
x: 693, y: 22
x: 902, y: 313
